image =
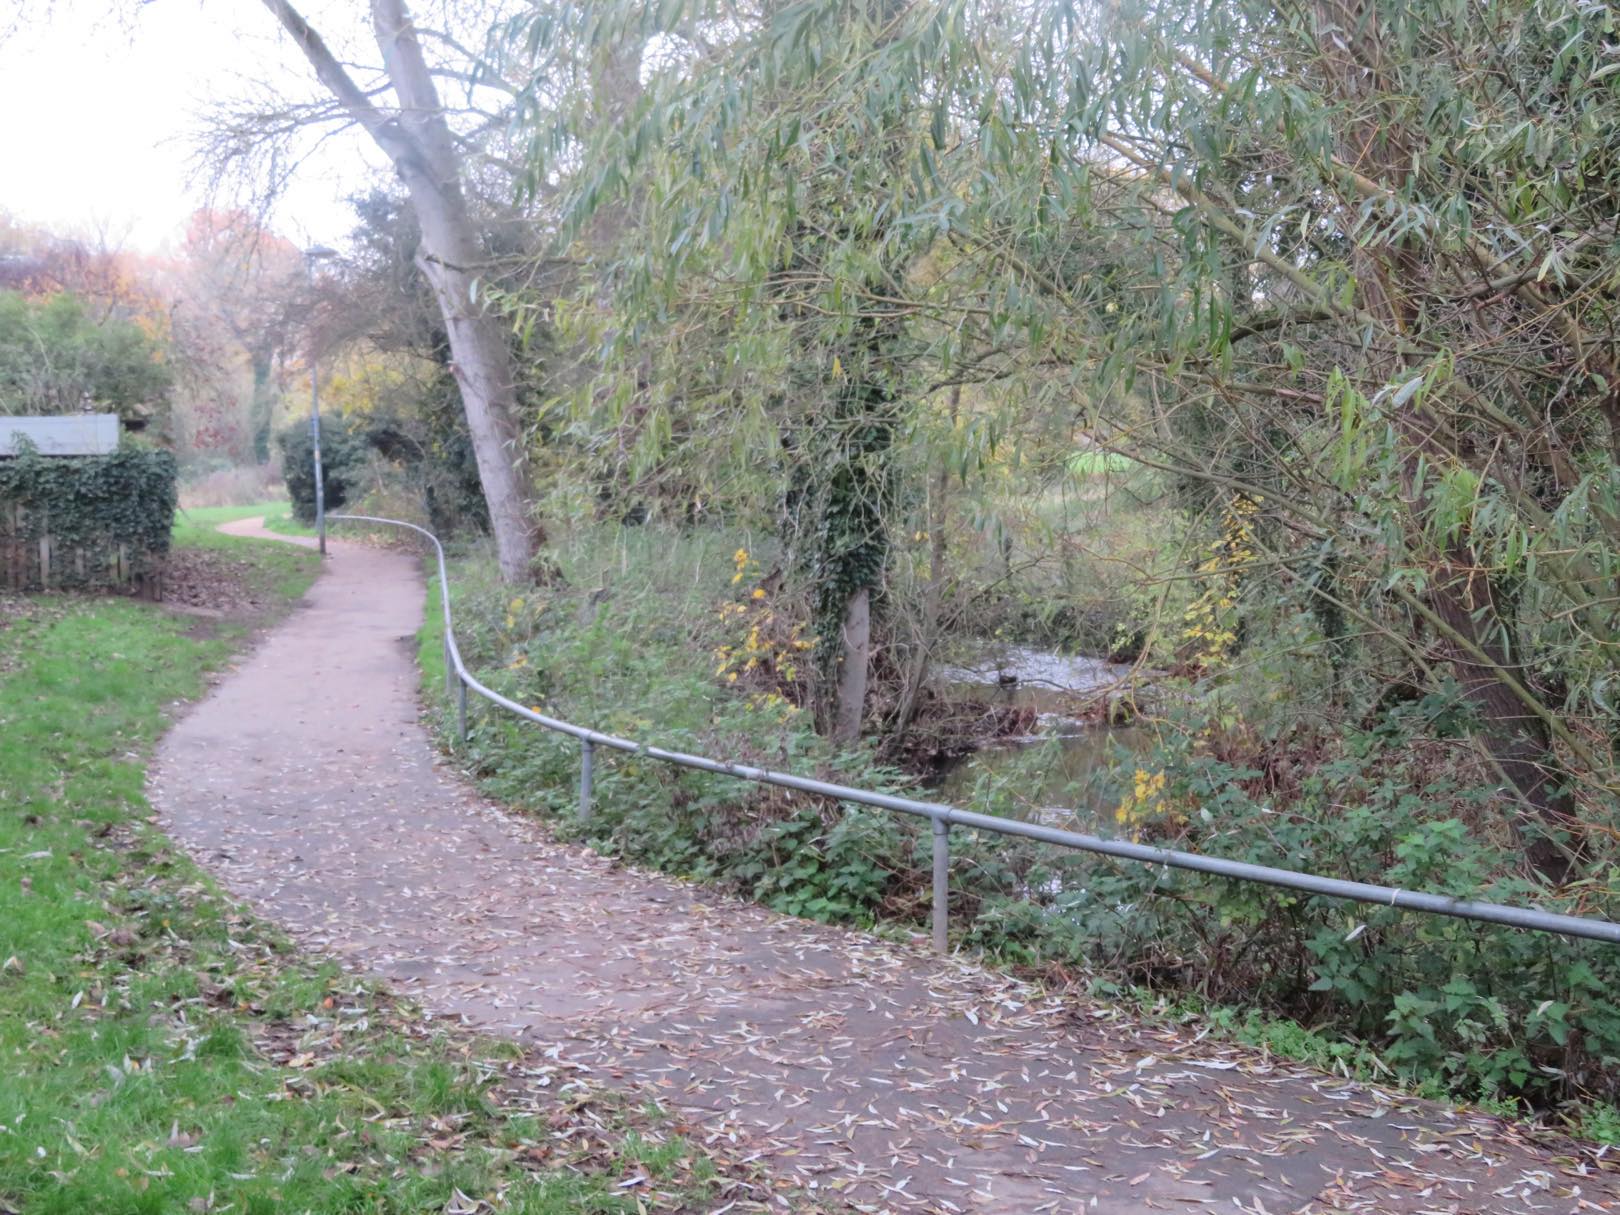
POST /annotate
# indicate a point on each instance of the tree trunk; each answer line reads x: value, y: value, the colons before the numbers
x: 1481, y: 659
x: 482, y: 365
x: 854, y: 659
x: 928, y: 634
x: 262, y: 405
x: 1516, y: 738
x: 418, y: 141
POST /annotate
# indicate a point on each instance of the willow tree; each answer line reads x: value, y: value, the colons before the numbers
x: 765, y: 296
x: 1350, y: 263
x: 1369, y: 246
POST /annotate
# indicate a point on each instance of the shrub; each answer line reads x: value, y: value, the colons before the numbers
x: 393, y: 458
x: 343, y: 462
x: 1473, y: 1009
x: 55, y: 356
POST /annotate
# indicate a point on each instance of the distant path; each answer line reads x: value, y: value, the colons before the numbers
x: 868, y: 1070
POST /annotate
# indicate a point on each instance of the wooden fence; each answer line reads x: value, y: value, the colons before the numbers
x: 32, y: 559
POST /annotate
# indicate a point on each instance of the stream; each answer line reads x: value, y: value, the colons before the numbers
x: 1058, y: 772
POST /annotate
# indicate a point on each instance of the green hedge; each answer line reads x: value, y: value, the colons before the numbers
x: 92, y: 509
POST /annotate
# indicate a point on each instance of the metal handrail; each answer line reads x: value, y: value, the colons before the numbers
x: 944, y: 817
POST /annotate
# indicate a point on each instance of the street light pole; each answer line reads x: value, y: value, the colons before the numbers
x: 312, y: 255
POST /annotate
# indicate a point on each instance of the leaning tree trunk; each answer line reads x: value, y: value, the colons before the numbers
x: 417, y: 139
x: 1516, y: 738
x: 482, y: 364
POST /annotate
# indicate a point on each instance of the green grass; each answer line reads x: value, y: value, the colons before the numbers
x: 1090, y: 462
x: 201, y: 520
x: 162, y: 1051
x: 283, y: 571
x: 198, y: 523
x: 282, y: 521
x: 278, y: 518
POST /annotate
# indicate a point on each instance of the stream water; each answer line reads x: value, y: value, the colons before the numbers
x: 1058, y: 773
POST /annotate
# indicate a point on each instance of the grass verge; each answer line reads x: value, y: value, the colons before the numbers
x: 282, y: 522
x: 162, y: 1051
x: 272, y: 574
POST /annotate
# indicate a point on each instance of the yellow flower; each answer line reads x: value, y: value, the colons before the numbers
x: 1147, y: 789
x: 759, y: 592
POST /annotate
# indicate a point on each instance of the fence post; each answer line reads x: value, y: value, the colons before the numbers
x: 586, y: 751
x: 461, y: 710
x: 942, y: 878
x: 449, y: 666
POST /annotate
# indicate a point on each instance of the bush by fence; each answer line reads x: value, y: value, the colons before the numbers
x: 392, y: 458
x: 343, y: 463
x: 81, y: 522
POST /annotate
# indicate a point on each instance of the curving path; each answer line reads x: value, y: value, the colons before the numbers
x: 867, y: 1071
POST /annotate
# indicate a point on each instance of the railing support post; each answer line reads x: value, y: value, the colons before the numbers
x: 586, y: 752
x: 449, y: 664
x: 461, y: 710
x: 942, y: 878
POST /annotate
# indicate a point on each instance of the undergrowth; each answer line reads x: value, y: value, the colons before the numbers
x: 634, y: 653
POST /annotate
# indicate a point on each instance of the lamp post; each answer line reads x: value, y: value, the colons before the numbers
x: 312, y: 255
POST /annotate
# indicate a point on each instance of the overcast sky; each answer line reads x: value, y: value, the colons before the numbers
x: 99, y: 118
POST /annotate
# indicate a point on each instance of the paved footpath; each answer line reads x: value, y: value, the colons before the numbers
x: 869, y: 1071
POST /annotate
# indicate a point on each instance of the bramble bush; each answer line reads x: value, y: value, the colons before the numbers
x: 1467, y: 1008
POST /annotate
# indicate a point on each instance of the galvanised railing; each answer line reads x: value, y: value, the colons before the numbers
x: 943, y: 817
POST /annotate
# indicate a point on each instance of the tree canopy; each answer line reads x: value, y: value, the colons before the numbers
x: 56, y: 357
